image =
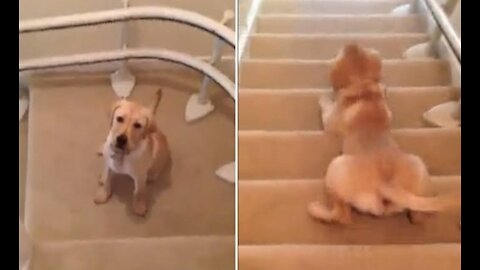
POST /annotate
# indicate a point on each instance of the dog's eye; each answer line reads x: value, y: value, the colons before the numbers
x: 137, y: 125
x: 119, y: 119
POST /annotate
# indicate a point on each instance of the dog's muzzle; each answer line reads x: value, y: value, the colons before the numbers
x: 121, y: 142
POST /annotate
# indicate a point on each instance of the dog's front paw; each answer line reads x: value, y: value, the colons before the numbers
x: 140, y: 206
x: 102, y: 195
x: 100, y: 150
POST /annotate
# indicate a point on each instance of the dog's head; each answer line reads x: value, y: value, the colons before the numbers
x: 355, y: 77
x: 130, y: 123
x: 354, y: 63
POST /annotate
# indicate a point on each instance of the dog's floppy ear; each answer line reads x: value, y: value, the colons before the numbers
x: 151, y: 125
x: 114, y: 108
x: 344, y: 66
x: 353, y: 62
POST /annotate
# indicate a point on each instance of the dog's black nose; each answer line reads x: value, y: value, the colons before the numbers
x: 121, y: 141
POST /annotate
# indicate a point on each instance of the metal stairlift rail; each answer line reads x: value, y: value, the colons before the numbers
x: 119, y: 55
x: 446, y: 114
x: 199, y: 106
x: 132, y: 13
x: 444, y: 25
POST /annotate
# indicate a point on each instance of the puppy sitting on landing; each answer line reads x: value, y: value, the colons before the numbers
x: 372, y: 175
x: 135, y: 147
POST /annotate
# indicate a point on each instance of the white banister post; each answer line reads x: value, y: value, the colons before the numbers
x: 199, y: 104
x: 123, y: 80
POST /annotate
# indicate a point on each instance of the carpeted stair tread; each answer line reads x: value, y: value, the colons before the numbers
x: 269, y: 73
x: 173, y: 253
x: 330, y: 6
x: 325, y: 46
x: 347, y: 257
x: 298, y: 109
x: 274, y: 212
x: 306, y: 154
x: 295, y: 23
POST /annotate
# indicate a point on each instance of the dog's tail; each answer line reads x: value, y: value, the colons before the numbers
x: 157, y: 101
x: 414, y: 202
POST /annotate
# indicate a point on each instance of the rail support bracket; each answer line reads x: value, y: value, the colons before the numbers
x: 402, y: 10
x: 227, y: 172
x: 419, y: 51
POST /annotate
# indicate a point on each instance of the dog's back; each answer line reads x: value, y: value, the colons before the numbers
x: 373, y: 175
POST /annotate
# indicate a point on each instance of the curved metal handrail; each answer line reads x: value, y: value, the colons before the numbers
x: 133, y: 13
x: 119, y: 55
x: 445, y: 27
x: 446, y: 114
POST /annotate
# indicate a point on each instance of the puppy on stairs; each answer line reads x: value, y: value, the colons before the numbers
x: 134, y: 146
x: 372, y: 175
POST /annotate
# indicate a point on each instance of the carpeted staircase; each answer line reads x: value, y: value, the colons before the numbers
x: 191, y: 221
x: 283, y: 152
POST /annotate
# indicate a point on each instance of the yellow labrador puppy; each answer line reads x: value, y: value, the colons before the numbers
x: 135, y: 147
x: 372, y: 175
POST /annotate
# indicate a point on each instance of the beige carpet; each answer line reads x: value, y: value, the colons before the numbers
x: 314, y: 257
x: 193, y: 252
x: 331, y: 23
x: 300, y: 73
x: 191, y: 220
x: 274, y: 212
x: 297, y: 109
x: 330, y: 6
x: 324, y: 46
x: 306, y: 154
x: 283, y: 152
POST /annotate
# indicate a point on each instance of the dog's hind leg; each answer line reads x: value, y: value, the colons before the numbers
x: 340, y: 211
x: 413, y: 176
x: 416, y: 217
x: 391, y: 209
